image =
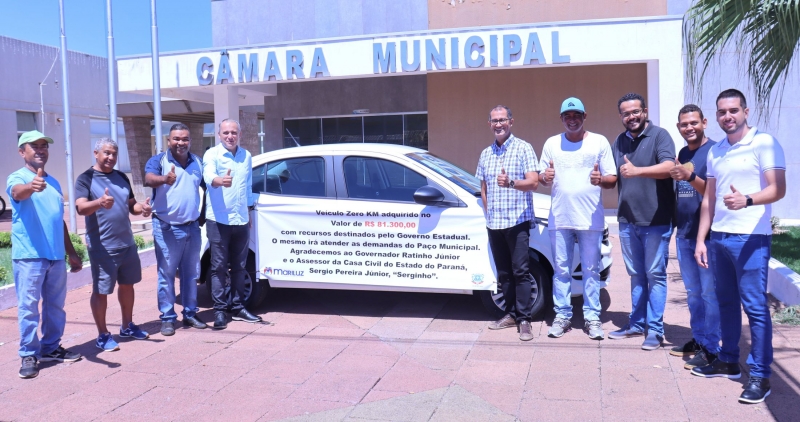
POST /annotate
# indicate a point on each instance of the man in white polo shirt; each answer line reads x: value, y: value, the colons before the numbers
x: 746, y: 173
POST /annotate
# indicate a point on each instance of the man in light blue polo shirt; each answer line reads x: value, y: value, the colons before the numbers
x: 228, y: 173
x: 39, y: 239
x: 176, y: 176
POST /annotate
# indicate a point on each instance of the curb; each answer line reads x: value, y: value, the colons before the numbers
x: 783, y: 283
x: 8, y: 294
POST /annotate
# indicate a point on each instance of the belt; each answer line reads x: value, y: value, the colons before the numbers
x: 174, y: 224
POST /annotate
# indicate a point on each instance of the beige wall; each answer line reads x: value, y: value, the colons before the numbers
x: 459, y: 104
x: 467, y: 13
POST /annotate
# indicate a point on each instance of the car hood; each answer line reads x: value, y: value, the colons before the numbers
x: 541, y: 205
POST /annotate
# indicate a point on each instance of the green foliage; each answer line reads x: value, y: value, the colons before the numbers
x: 4, y: 275
x: 788, y: 316
x: 5, y: 239
x: 765, y: 32
x: 80, y: 248
x: 140, y: 243
x: 786, y: 248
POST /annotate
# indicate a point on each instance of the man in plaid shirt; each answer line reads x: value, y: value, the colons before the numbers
x: 508, y: 173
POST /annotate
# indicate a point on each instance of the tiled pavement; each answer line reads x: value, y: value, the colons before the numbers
x: 363, y: 356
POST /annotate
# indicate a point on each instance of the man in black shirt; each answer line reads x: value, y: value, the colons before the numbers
x: 644, y: 155
x: 689, y: 174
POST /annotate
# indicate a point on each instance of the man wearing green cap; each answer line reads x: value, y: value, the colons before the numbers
x: 39, y: 240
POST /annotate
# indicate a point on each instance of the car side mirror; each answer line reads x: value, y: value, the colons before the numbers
x: 428, y: 195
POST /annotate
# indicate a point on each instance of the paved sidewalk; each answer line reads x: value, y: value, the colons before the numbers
x: 362, y: 356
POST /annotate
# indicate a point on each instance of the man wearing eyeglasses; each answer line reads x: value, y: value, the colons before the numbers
x: 578, y: 164
x: 508, y: 171
x: 644, y: 155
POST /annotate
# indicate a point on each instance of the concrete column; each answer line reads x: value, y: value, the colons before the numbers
x: 226, y: 103
x: 137, y: 136
x: 249, y: 136
x: 196, y: 132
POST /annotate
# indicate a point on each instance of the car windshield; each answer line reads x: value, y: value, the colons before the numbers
x: 462, y: 178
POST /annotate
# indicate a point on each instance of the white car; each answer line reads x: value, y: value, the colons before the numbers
x: 381, y: 217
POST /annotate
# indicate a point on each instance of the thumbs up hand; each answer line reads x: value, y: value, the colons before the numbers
x: 628, y: 169
x: 147, y: 209
x: 735, y: 200
x: 595, y: 177
x: 106, y: 201
x: 38, y: 184
x: 679, y: 172
x: 502, y: 179
x: 227, y: 180
x: 549, y: 174
x: 170, y: 177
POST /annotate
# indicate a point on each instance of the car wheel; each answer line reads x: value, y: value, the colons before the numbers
x: 495, y: 303
x: 255, y: 293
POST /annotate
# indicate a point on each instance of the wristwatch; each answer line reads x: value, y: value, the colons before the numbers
x: 749, y: 201
x: 511, y: 184
x: 692, y: 177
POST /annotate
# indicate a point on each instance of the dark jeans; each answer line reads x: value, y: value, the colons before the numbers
x: 229, y: 247
x: 740, y: 263
x: 510, y: 253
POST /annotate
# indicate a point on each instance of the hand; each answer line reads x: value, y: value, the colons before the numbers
x: 595, y: 177
x: 38, y: 184
x: 227, y: 180
x: 701, y: 254
x: 734, y: 200
x: 75, y: 263
x: 628, y: 169
x: 549, y: 174
x: 502, y: 179
x: 107, y: 201
x: 147, y: 209
x: 679, y: 172
x: 170, y: 177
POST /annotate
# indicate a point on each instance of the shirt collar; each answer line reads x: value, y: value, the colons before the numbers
x: 172, y: 158
x: 505, y: 146
x: 224, y: 150
x: 645, y: 132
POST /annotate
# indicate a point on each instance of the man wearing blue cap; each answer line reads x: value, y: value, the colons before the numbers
x: 39, y: 240
x: 578, y: 164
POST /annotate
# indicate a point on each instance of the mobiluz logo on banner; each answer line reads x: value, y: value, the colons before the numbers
x: 475, y: 52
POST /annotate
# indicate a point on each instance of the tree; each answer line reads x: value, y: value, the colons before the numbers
x: 766, y: 34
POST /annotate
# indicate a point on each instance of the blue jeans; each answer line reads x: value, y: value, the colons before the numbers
x: 46, y: 280
x: 177, y: 250
x: 701, y: 296
x: 644, y: 250
x: 563, y: 245
x: 740, y: 264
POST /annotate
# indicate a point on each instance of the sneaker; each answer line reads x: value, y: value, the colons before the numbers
x: 246, y: 316
x: 624, y: 332
x: 29, y: 368
x: 691, y: 347
x: 507, y: 321
x: 106, y: 343
x: 525, y: 333
x: 756, y: 391
x: 167, y: 328
x: 133, y: 330
x: 594, y: 329
x: 718, y: 368
x: 61, y: 355
x: 559, y: 328
x: 701, y: 358
x: 653, y: 341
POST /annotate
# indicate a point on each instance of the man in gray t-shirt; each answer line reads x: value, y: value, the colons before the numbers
x: 105, y: 197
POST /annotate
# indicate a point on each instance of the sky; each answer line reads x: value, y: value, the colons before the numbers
x: 182, y: 24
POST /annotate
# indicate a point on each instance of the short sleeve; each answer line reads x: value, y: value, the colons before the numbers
x: 606, y: 158
x: 83, y: 186
x: 770, y: 153
x: 529, y: 162
x: 710, y: 174
x: 14, y: 179
x: 544, y: 160
x: 479, y: 172
x: 154, y: 165
x: 130, y: 188
x: 665, y: 147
